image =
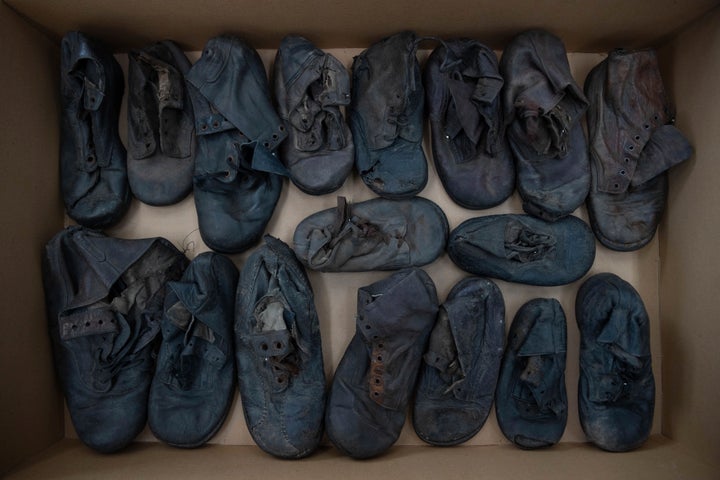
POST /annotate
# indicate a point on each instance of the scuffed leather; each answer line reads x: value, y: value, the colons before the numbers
x: 237, y: 179
x: 310, y: 87
x: 632, y: 145
x: 161, y: 130
x: 93, y: 170
x: 543, y: 107
x: 386, y: 117
x: 472, y: 157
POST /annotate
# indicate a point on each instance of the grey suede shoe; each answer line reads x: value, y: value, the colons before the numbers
x: 377, y: 234
x: 310, y: 87
x: 543, y: 108
x: 632, y: 145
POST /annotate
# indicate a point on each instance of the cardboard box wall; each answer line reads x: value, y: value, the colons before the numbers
x: 676, y: 274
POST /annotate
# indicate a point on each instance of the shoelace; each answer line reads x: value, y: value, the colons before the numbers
x: 525, y: 245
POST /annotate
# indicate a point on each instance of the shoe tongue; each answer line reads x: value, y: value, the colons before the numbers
x: 624, y: 332
x: 666, y: 148
x: 544, y: 338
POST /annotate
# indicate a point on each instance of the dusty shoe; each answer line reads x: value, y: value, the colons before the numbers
x: 461, y: 364
x: 93, y: 168
x: 616, y: 391
x: 472, y: 157
x: 310, y: 88
x: 194, y: 381
x: 543, y: 108
x: 373, y: 383
x: 632, y: 145
x: 386, y: 117
x: 161, y: 130
x: 376, y: 234
x: 279, y: 353
x: 523, y: 249
x: 104, y: 299
x: 531, y: 400
x: 237, y: 180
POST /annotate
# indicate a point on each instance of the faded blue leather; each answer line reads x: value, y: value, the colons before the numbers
x: 377, y: 234
x: 543, y: 110
x: 386, y: 117
x: 194, y: 382
x: 161, y: 127
x: 237, y: 180
x: 310, y: 87
x: 279, y: 353
x: 104, y: 299
x: 373, y: 383
x: 523, y: 249
x: 461, y: 364
x: 531, y: 398
x: 93, y: 169
x: 632, y: 145
x: 470, y: 149
x: 616, y: 389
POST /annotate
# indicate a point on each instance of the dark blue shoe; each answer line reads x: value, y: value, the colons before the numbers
x: 279, y: 353
x: 461, y: 364
x: 523, y: 249
x: 531, y: 400
x: 93, y: 164
x: 376, y: 234
x: 161, y: 129
x: 616, y: 391
x: 194, y: 381
x: 633, y: 143
x: 544, y: 107
x: 104, y: 299
x: 237, y: 180
x: 471, y: 153
x: 386, y: 117
x: 311, y: 86
x: 373, y: 383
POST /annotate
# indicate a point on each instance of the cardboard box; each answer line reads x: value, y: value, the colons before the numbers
x: 676, y: 274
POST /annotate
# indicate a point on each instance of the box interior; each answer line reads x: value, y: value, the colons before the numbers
x: 674, y: 274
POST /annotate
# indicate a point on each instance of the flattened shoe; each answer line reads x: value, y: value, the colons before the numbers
x: 543, y: 108
x: 104, y: 299
x: 161, y: 129
x: 386, y: 117
x: 632, y: 145
x: 93, y: 168
x: 194, y: 381
x: 279, y: 353
x: 460, y: 368
x: 471, y: 153
x: 373, y: 383
x: 310, y: 87
x: 523, y: 249
x: 531, y: 399
x: 237, y: 179
x: 616, y: 390
x: 376, y: 234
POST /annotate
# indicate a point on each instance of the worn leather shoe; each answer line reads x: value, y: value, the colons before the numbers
x: 531, y: 399
x: 310, y: 88
x: 523, y: 249
x: 376, y: 234
x: 543, y: 108
x: 386, y: 117
x: 472, y: 157
x: 461, y: 364
x: 161, y: 130
x: 374, y: 381
x: 104, y: 299
x: 237, y: 180
x: 194, y: 382
x: 616, y: 390
x: 632, y: 145
x: 279, y: 353
x: 93, y: 168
